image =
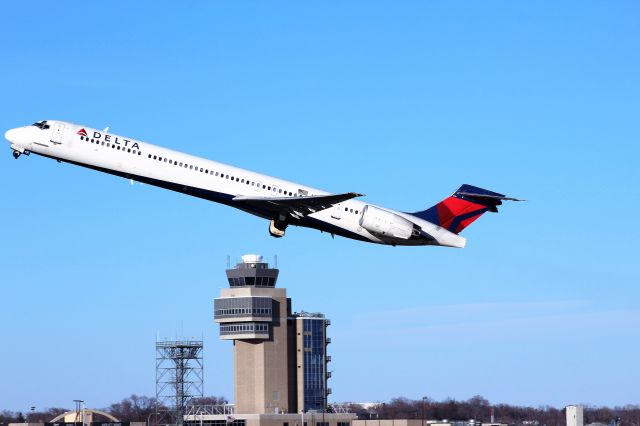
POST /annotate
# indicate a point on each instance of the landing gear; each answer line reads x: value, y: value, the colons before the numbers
x: 18, y: 151
x: 277, y: 228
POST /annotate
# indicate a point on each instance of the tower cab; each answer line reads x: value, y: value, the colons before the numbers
x: 41, y: 134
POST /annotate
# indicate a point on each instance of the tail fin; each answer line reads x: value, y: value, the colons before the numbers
x: 460, y: 210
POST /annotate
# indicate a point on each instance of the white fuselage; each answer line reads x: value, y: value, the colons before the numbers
x: 155, y: 165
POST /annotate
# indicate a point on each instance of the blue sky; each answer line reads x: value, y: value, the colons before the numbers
x: 401, y: 102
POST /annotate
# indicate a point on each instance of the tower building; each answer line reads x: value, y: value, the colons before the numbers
x: 311, y: 361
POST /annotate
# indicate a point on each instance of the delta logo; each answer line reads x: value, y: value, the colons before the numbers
x: 109, y: 139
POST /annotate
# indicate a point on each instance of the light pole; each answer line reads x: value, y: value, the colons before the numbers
x: 423, y: 399
x: 79, y: 409
x: 149, y: 418
x: 33, y: 408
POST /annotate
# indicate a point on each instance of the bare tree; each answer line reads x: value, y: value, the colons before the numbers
x: 133, y: 409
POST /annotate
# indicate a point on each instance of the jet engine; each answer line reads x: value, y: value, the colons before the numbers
x: 387, y: 224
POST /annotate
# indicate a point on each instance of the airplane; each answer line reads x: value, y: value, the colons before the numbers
x: 281, y: 202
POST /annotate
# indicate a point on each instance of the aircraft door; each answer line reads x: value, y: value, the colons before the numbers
x: 57, y: 133
x: 336, y: 212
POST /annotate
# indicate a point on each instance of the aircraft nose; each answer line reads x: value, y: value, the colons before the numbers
x: 12, y: 135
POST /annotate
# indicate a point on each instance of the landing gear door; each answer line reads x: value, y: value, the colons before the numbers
x: 57, y: 133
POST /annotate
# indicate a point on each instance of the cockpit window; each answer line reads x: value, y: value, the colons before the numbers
x: 41, y: 124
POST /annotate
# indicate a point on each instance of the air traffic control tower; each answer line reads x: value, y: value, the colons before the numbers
x: 280, y: 357
x: 255, y: 315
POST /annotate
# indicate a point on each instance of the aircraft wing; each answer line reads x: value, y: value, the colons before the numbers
x: 296, y: 207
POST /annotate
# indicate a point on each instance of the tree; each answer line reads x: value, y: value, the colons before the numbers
x: 209, y: 400
x: 133, y: 409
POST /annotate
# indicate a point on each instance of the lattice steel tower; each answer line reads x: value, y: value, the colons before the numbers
x: 178, y: 375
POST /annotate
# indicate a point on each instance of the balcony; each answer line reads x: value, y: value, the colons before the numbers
x: 328, y: 374
x: 328, y: 340
x: 328, y: 358
x: 328, y: 391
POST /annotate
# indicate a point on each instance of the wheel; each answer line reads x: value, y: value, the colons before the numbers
x: 16, y: 154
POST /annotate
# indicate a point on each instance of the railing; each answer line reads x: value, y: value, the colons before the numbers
x: 197, y: 410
